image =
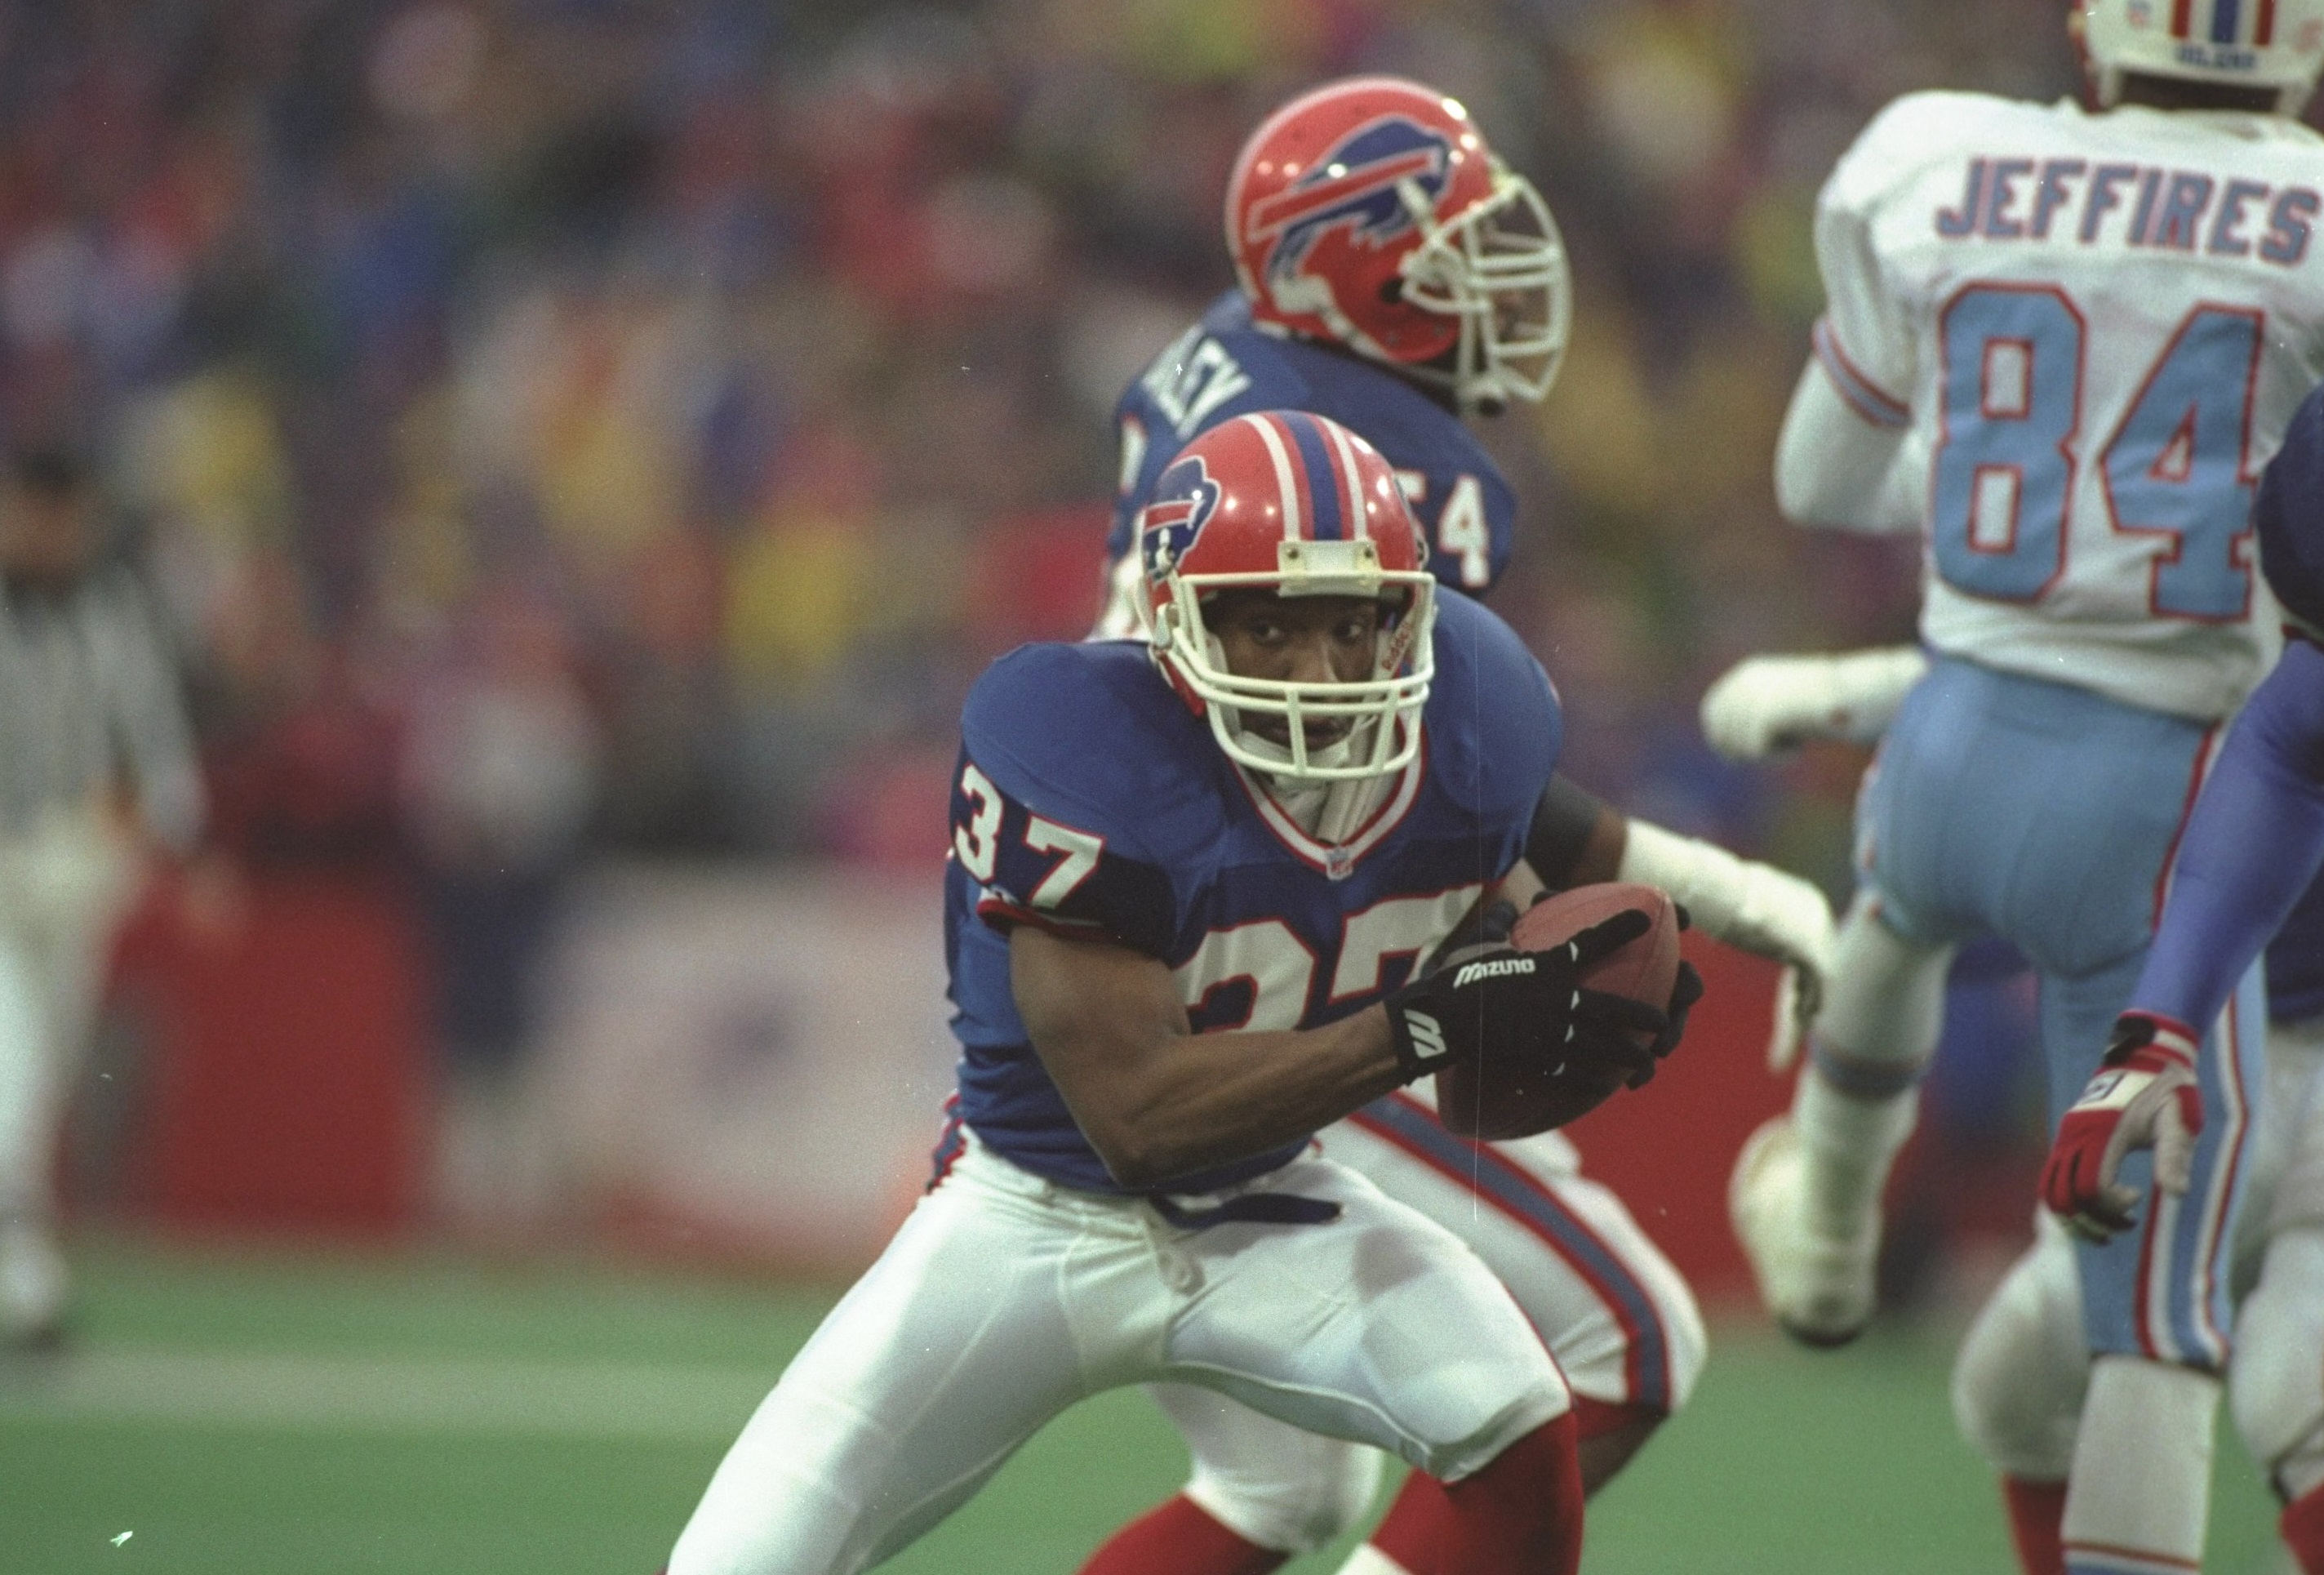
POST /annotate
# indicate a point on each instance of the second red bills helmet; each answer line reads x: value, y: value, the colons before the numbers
x: 1290, y: 503
x: 1371, y: 212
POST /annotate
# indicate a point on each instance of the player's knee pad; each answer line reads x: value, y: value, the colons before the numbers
x: 1265, y: 1480
x: 2284, y: 1155
x: 2276, y: 1379
x: 1886, y: 1005
x: 2019, y: 1379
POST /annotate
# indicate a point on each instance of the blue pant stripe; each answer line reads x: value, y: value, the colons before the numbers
x: 2198, y: 1312
x: 1516, y: 1193
x: 2047, y: 814
x: 1864, y: 1079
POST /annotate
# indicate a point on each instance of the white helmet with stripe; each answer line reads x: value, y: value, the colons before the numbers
x: 2275, y: 45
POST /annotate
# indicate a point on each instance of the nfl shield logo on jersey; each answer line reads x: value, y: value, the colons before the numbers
x: 1354, y: 185
x: 1184, y: 500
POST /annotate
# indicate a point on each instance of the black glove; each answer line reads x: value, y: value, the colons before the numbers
x: 1494, y: 1004
x: 1487, y: 926
x: 1685, y: 991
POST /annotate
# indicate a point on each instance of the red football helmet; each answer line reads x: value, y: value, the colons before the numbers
x: 1371, y: 212
x: 1292, y: 502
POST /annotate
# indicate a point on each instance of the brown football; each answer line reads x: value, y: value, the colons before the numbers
x: 1500, y: 1101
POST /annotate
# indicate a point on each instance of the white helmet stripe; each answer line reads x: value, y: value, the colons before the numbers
x: 1352, y: 481
x: 1286, y: 478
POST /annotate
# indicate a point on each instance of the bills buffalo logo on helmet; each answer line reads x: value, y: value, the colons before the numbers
x: 1355, y: 185
x: 1184, y: 501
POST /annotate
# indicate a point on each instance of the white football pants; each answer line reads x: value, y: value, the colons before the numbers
x: 1004, y: 1299
x: 63, y: 888
x: 1615, y: 1313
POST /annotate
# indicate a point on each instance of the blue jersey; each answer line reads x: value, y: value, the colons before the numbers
x: 1092, y: 801
x: 1223, y: 367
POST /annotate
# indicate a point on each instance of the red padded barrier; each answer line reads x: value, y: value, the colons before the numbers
x: 1667, y: 1148
x: 289, y: 1082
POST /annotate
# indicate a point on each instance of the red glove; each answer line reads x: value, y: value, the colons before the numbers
x: 2144, y: 1095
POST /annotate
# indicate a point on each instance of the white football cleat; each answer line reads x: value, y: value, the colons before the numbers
x: 1820, y: 1291
x: 35, y: 1288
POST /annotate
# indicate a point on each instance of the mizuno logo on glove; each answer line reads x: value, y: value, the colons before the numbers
x: 1469, y: 973
x: 1504, y: 1006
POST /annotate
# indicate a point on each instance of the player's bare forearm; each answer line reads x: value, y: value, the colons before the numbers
x: 1210, y: 1099
x: 1158, y: 1101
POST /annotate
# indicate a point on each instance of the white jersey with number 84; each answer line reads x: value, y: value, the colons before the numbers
x: 2095, y: 327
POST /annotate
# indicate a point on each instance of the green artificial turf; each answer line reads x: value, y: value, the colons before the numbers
x: 305, y: 1414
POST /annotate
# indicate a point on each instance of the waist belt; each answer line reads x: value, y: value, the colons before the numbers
x: 1247, y: 1208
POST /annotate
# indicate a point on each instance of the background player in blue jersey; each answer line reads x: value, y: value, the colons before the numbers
x: 1393, y: 277
x: 2057, y: 345
x: 1396, y: 277
x: 1190, y: 884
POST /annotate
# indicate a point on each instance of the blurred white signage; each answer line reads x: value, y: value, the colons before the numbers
x: 760, y: 1058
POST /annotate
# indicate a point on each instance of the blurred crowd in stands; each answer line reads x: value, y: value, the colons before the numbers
x: 557, y: 428
x: 562, y: 424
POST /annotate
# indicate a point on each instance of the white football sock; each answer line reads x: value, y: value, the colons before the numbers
x: 1858, y: 1098
x: 2140, y: 1493
x: 1849, y: 1143
x: 1860, y: 1090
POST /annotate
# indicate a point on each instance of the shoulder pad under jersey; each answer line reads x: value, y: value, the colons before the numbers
x: 1086, y: 788
x: 1495, y: 723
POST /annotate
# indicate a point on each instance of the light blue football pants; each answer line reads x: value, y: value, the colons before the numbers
x: 2047, y: 814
